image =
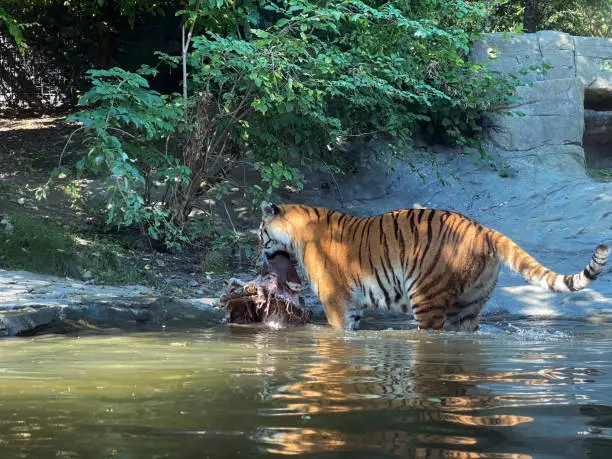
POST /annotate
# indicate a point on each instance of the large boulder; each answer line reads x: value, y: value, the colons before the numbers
x: 548, y: 124
x: 547, y: 55
x: 563, y: 75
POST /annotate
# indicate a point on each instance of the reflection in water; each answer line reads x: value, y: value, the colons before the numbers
x: 294, y: 441
x: 424, y: 375
x: 423, y: 381
x: 231, y: 392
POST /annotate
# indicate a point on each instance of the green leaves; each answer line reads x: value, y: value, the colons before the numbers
x: 576, y: 17
x: 14, y: 28
x: 124, y: 121
x: 324, y: 71
x: 121, y: 99
x: 282, y: 85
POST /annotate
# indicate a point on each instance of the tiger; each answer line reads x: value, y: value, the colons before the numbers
x: 437, y: 265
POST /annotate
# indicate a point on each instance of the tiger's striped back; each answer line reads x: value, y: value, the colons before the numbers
x: 438, y: 265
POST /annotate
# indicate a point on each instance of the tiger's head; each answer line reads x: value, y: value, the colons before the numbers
x: 275, y: 231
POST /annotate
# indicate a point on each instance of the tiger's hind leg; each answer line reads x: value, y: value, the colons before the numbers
x: 463, y: 315
x: 430, y: 311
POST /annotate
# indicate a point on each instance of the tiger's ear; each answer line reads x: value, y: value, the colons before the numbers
x: 269, y: 210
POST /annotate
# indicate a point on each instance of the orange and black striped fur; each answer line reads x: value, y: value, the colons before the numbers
x: 438, y: 265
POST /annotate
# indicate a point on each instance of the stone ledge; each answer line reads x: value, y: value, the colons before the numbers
x: 32, y: 303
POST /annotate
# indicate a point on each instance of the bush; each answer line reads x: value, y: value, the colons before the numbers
x: 282, y: 87
x: 349, y: 68
x: 128, y: 127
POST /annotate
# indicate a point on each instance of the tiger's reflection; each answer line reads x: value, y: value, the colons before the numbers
x: 433, y: 388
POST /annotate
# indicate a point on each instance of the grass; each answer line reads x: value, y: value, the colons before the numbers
x: 41, y: 245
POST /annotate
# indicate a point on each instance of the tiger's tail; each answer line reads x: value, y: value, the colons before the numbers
x: 524, y: 264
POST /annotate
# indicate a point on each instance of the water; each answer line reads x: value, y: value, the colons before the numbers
x: 531, y: 389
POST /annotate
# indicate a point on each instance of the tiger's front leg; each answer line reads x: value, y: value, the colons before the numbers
x: 341, y: 312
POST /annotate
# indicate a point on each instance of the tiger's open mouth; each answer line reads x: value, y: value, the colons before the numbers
x: 280, y: 265
x: 282, y: 253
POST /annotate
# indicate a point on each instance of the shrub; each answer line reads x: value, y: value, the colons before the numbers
x: 281, y: 87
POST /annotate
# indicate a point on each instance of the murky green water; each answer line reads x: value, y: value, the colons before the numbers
x: 537, y: 389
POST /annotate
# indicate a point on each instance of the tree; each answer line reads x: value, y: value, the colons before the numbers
x: 281, y: 87
x: 530, y: 24
x: 13, y: 27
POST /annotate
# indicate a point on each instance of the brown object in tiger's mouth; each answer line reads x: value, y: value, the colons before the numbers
x: 271, y: 298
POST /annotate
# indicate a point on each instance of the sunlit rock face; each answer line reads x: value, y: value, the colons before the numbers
x: 568, y: 78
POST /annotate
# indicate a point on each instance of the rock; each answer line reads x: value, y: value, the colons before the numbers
x: 565, y: 75
x: 509, y: 53
x: 594, y: 63
x: 550, y: 118
x: 5, y: 224
x: 32, y: 304
x: 557, y: 51
x: 597, y: 140
x: 29, y: 321
x: 527, y: 55
x: 598, y: 124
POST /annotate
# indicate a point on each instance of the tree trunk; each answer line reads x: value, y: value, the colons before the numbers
x: 530, y: 16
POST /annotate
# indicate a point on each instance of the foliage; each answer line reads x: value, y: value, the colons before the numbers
x: 83, y: 8
x: 319, y: 74
x: 576, y: 17
x: 155, y: 156
x: 64, y: 38
x: 600, y: 173
x: 128, y: 127
x: 13, y: 27
x: 19, y: 14
x: 281, y: 86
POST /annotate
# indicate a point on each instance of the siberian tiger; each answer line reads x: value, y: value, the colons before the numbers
x: 438, y: 265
